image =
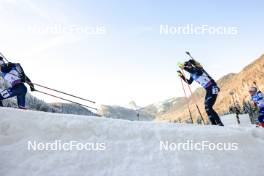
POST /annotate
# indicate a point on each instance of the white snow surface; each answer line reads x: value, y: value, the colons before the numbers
x: 132, y: 148
x: 231, y: 120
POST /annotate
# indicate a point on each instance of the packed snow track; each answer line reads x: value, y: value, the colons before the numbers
x: 122, y: 148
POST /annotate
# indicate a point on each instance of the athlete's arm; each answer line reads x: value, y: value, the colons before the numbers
x: 27, y: 80
x: 24, y: 77
x: 181, y: 75
x: 190, y: 81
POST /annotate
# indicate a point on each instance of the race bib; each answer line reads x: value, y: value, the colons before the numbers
x: 259, y: 100
x: 12, y: 77
x: 260, y: 103
x: 215, y: 90
x: 203, y: 80
x: 5, y: 94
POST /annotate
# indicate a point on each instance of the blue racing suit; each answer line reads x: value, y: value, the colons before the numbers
x: 14, y: 77
x: 201, y: 77
x: 258, y: 99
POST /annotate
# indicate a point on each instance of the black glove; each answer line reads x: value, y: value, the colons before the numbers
x: 181, y: 75
x: 31, y: 85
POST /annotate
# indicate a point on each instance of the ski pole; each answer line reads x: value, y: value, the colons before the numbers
x: 51, y: 88
x: 235, y: 107
x: 55, y: 90
x: 188, y: 102
x: 63, y: 92
x: 65, y: 99
x: 60, y: 97
x: 197, y: 107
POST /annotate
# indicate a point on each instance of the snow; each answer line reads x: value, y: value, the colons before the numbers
x: 231, y: 120
x: 131, y: 148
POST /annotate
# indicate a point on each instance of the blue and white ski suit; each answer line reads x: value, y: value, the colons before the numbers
x: 211, y: 88
x: 15, y: 86
x: 258, y: 99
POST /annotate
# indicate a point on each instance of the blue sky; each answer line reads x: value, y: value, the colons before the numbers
x: 132, y: 60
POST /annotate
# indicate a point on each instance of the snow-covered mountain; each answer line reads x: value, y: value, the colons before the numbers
x: 165, y: 106
x: 133, y: 105
x: 38, y: 143
x: 119, y: 112
x: 135, y: 112
x: 70, y: 108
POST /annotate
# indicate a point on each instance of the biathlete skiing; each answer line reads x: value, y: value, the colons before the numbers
x: 14, y: 78
x: 198, y: 74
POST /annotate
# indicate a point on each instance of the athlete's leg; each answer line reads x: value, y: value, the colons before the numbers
x: 208, y: 108
x: 210, y: 100
x: 261, y: 120
x: 19, y: 90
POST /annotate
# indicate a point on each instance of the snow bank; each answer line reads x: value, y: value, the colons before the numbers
x: 131, y: 148
x: 230, y: 120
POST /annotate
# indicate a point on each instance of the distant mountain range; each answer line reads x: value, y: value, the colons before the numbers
x: 118, y: 112
x: 133, y: 105
x: 175, y: 109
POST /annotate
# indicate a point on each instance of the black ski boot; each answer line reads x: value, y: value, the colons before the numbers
x: 212, y: 120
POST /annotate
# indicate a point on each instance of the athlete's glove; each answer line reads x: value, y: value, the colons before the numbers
x: 180, y: 73
x: 31, y: 85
